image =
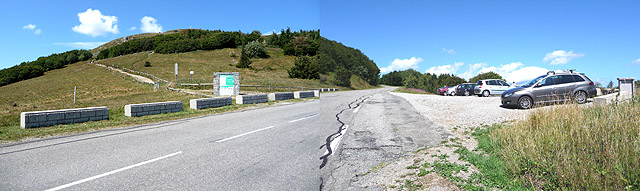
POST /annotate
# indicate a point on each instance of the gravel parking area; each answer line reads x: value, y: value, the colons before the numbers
x: 462, y: 111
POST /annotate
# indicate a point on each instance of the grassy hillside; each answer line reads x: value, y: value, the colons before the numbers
x: 265, y: 71
x: 96, y: 86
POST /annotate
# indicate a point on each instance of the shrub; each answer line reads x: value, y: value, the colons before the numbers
x: 343, y: 77
x: 245, y: 62
x: 147, y: 64
x: 305, y: 68
x: 254, y: 49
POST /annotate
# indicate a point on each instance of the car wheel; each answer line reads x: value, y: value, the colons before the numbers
x: 453, y: 93
x: 485, y: 93
x: 581, y: 97
x: 525, y: 102
x: 466, y: 93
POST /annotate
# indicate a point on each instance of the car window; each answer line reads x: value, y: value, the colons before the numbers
x: 563, y: 79
x: 578, y: 78
x: 503, y: 83
x: 479, y: 83
x: 491, y: 82
x: 548, y: 81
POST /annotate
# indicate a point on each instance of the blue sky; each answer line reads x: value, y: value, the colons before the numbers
x: 31, y: 29
x: 513, y: 38
x: 517, y: 39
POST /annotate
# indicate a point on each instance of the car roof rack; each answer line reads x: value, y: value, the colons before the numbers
x: 551, y: 73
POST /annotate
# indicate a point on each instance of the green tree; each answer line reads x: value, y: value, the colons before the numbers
x: 343, y: 77
x: 306, y: 67
x: 245, y: 62
x: 483, y: 76
x: 610, y: 85
x: 254, y: 49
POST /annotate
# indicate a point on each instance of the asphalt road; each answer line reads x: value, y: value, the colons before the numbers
x: 312, y: 145
x: 275, y: 148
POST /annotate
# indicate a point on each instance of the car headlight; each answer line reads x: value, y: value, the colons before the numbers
x: 508, y: 94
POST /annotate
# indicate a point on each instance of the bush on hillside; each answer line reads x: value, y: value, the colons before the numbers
x: 245, y: 62
x: 305, y: 68
x: 254, y: 49
x: 343, y: 77
x: 483, y: 76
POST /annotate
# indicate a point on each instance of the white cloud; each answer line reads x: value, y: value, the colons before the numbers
x: 93, y: 23
x: 132, y: 28
x: 29, y: 27
x: 449, y: 51
x: 524, y: 75
x: 560, y: 57
x: 636, y: 61
x: 512, y: 72
x: 80, y: 45
x: 150, y: 25
x: 472, y: 71
x: 445, y: 69
x: 402, y: 64
x: 269, y: 32
x: 32, y: 27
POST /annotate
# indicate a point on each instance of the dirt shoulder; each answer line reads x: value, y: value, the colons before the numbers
x: 458, y: 116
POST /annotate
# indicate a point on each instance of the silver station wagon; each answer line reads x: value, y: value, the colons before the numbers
x: 552, y: 87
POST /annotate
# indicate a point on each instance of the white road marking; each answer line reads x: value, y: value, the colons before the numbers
x: 336, y: 141
x: 113, y: 172
x: 258, y: 130
x: 303, y: 118
x: 357, y: 109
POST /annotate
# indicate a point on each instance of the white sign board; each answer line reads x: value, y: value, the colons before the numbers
x: 176, y: 68
x: 226, y: 84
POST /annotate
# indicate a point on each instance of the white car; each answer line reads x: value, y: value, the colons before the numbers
x: 451, y: 90
x: 485, y: 88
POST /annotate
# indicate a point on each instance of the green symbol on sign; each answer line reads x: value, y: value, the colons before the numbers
x: 229, y: 81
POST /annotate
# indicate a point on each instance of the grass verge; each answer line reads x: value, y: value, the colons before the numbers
x: 117, y: 119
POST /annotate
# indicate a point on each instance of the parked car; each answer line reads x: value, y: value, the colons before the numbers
x: 485, y: 88
x: 452, y: 90
x: 465, y: 89
x: 552, y: 87
x: 442, y: 90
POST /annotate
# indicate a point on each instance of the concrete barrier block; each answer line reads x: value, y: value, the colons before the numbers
x: 316, y: 93
x: 87, y: 113
x: 303, y: 94
x: 55, y: 116
x: 135, y: 110
x: 65, y: 121
x: 252, y: 99
x: 210, y: 102
x: 72, y: 114
x: 280, y: 96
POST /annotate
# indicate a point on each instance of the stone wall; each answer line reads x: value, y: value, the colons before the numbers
x: 251, y: 99
x: 209, y: 102
x: 135, y: 110
x: 53, y: 117
x: 303, y: 94
x: 281, y: 96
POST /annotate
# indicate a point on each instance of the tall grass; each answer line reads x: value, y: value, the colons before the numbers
x: 573, y: 147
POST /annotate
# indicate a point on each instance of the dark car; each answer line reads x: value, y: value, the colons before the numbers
x: 465, y: 89
x: 552, y: 87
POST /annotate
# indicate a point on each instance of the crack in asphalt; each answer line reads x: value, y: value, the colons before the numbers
x: 331, y: 137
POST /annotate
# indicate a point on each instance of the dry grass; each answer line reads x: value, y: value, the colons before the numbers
x: 97, y: 86
x: 577, y: 148
x: 268, y: 71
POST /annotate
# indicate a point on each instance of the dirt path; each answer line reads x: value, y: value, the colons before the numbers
x: 137, y: 77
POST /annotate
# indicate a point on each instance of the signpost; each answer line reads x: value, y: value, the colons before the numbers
x: 176, y: 72
x: 226, y: 83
